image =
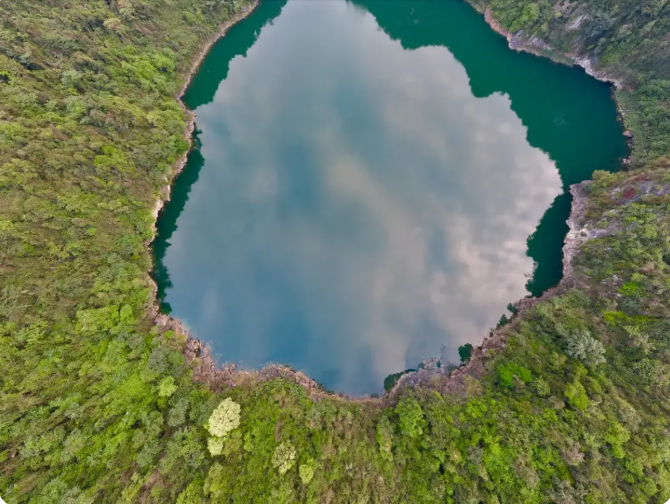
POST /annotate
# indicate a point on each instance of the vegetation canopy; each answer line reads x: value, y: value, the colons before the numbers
x: 567, y: 403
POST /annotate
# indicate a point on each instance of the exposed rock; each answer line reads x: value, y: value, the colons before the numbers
x: 578, y: 22
x: 430, y: 364
x: 581, y: 230
x: 588, y: 63
x: 535, y: 45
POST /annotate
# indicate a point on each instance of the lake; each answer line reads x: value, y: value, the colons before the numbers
x: 373, y: 183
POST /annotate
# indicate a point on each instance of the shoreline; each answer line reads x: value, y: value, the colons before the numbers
x: 179, y: 164
x: 219, y: 376
x: 538, y: 47
x: 196, y: 352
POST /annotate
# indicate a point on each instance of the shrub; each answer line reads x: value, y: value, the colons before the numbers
x: 541, y: 387
x: 192, y: 494
x: 648, y: 370
x: 616, y: 436
x: 509, y: 370
x: 215, y: 445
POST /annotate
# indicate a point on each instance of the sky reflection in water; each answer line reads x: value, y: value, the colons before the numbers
x: 358, y: 209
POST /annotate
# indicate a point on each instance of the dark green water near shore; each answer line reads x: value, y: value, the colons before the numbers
x: 373, y: 183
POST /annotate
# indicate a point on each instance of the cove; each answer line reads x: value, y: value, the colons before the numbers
x: 372, y: 183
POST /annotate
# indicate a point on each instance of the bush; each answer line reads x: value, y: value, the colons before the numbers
x: 385, y: 438
x: 541, y: 387
x: 215, y: 445
x: 616, y: 436
x: 166, y: 387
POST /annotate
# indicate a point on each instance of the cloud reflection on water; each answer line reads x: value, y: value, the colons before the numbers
x: 358, y: 207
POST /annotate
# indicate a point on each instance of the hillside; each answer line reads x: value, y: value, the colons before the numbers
x: 620, y: 41
x: 100, y: 403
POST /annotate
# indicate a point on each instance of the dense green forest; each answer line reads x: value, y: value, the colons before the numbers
x: 568, y: 403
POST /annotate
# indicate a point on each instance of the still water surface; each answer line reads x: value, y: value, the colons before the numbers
x: 374, y: 182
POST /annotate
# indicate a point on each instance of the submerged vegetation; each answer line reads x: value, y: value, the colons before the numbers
x: 568, y: 403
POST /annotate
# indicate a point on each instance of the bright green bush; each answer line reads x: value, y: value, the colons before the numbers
x: 616, y: 435
x: 215, y: 445
x: 508, y: 371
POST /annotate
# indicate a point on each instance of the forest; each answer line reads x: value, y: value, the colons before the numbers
x: 99, y: 403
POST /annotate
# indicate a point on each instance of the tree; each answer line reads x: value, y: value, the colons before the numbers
x: 576, y: 395
x: 215, y: 445
x: 465, y: 352
x: 225, y: 418
x: 192, y: 494
x: 541, y: 387
x: 284, y: 457
x: 411, y: 417
x: 306, y: 471
x: 385, y: 438
x: 166, y: 387
x: 584, y: 347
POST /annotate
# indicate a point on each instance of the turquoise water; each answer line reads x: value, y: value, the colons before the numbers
x: 373, y: 183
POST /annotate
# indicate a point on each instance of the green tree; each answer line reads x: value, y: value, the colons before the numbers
x: 306, y: 471
x: 167, y: 387
x: 465, y: 352
x: 225, y: 418
x: 582, y: 346
x: 410, y: 416
x: 284, y: 457
x: 576, y: 395
x: 385, y: 438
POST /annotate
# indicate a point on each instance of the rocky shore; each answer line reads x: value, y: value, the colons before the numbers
x: 535, y: 45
